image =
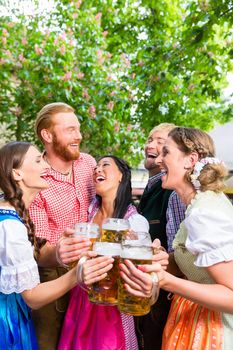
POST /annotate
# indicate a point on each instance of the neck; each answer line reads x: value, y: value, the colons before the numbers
x: 186, y: 193
x: 59, y: 165
x: 106, y: 208
x: 28, y: 198
x: 154, y: 172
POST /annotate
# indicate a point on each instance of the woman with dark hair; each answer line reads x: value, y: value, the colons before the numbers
x: 22, y: 169
x: 201, y: 314
x: 89, y: 326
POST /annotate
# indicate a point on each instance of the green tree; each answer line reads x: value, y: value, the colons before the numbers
x: 123, y: 65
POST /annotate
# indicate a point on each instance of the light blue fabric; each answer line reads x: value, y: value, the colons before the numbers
x: 16, y: 327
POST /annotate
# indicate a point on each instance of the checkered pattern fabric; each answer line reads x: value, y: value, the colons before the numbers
x: 65, y: 202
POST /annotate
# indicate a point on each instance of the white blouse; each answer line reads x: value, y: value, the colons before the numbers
x: 209, y: 222
x: 18, y: 268
x: 138, y: 223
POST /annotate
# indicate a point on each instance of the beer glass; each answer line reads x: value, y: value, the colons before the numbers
x: 104, y: 292
x: 89, y: 230
x: 113, y: 230
x: 139, y: 251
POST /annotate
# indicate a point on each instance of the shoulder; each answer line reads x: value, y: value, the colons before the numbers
x: 85, y: 158
x: 210, y: 201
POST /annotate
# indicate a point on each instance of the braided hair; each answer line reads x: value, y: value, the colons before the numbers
x: 11, y: 157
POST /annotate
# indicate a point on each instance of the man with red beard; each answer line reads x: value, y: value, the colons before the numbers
x: 63, y: 204
x: 164, y: 212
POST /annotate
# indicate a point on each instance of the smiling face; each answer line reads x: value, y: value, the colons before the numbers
x: 66, y: 136
x: 30, y: 174
x: 107, y: 177
x: 153, y: 148
x: 175, y: 164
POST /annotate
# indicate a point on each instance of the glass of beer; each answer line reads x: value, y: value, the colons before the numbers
x: 89, y: 230
x: 139, y: 251
x: 113, y: 230
x: 104, y: 292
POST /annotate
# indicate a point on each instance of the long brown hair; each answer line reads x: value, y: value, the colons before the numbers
x: 11, y: 157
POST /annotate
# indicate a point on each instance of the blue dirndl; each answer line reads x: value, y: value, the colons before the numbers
x: 16, y: 326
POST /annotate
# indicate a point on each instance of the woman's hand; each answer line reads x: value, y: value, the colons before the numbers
x: 96, y: 268
x: 69, y: 247
x: 137, y: 282
x: 160, y: 255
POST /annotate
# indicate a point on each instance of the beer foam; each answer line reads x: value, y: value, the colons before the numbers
x: 138, y: 253
x: 106, y: 248
x: 113, y: 226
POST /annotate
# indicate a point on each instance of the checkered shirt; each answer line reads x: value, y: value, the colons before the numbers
x: 175, y: 215
x: 64, y: 203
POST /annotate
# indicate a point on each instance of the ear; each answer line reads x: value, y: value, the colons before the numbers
x: 191, y: 160
x: 46, y: 135
x: 17, y: 174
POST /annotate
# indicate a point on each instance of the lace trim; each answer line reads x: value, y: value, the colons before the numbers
x: 17, y: 279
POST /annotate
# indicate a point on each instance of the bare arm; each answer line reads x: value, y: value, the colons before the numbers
x: 67, y: 250
x: 47, y: 256
x: 218, y: 296
x: 47, y: 292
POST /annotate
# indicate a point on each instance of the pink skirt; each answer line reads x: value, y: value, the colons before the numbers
x: 89, y: 326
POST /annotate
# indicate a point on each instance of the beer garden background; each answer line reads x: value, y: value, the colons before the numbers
x: 125, y: 66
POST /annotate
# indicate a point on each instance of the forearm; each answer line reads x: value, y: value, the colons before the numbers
x: 47, y: 257
x: 47, y: 292
x: 213, y: 296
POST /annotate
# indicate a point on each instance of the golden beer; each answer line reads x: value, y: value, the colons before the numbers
x: 89, y: 230
x: 128, y: 303
x: 114, y: 230
x: 104, y: 292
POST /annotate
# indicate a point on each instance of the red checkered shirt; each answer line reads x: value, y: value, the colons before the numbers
x: 64, y: 203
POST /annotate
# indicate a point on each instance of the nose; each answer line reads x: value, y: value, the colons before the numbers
x: 159, y: 159
x: 78, y: 135
x: 97, y: 169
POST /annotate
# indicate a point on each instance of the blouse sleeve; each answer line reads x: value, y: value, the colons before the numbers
x: 210, y: 236
x: 19, y: 270
x: 138, y: 223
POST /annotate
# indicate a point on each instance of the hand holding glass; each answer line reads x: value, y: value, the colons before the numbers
x: 139, y: 251
x: 89, y: 230
x: 104, y: 292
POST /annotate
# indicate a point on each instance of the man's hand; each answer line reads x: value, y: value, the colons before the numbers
x: 69, y: 247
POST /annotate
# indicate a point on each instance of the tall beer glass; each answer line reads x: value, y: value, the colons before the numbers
x: 113, y: 230
x: 89, y: 230
x: 104, y: 292
x: 139, y: 251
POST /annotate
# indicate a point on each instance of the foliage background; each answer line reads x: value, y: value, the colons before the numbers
x: 124, y: 66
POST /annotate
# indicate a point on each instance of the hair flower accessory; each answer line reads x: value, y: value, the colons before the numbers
x: 198, y: 168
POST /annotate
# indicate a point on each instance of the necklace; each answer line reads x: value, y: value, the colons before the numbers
x: 64, y: 174
x: 68, y: 173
